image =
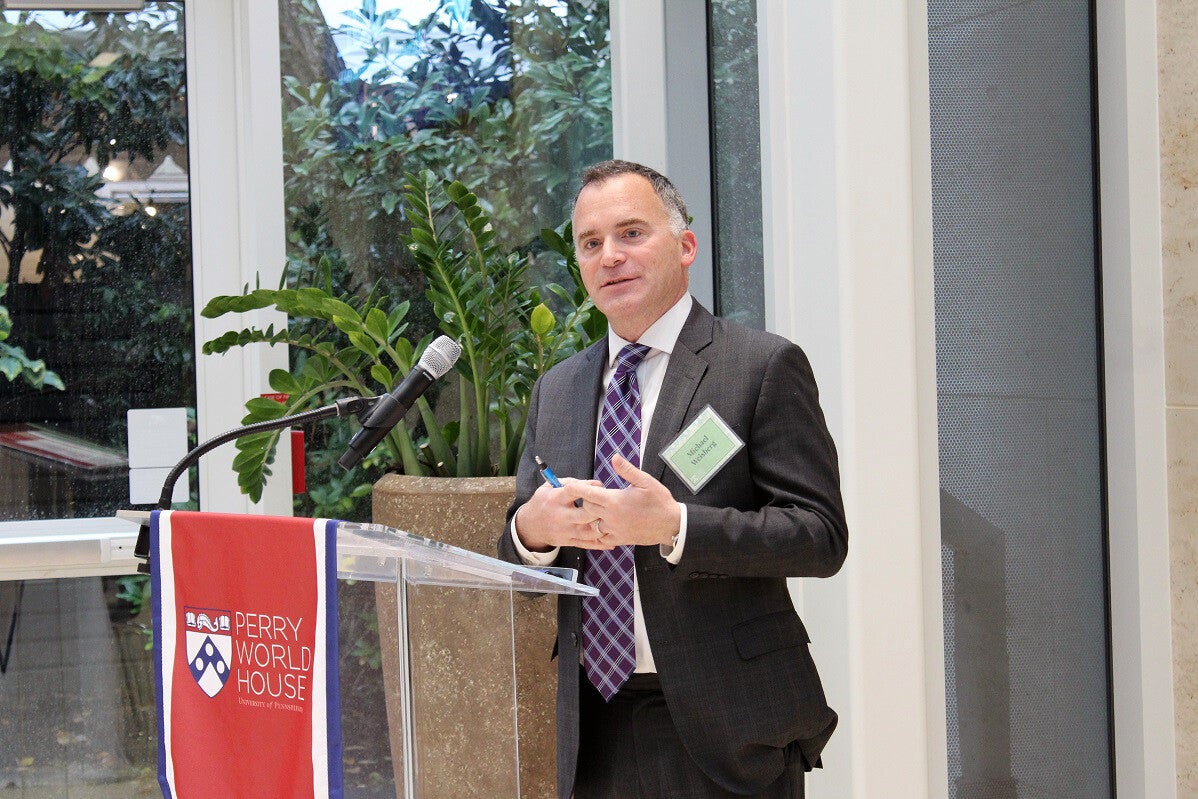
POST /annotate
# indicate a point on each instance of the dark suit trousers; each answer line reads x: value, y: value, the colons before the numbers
x: 628, y: 749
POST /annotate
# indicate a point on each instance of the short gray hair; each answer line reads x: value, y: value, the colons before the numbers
x: 666, y: 191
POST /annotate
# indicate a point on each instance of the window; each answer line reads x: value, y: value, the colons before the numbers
x: 736, y: 161
x: 95, y: 253
x: 1019, y: 403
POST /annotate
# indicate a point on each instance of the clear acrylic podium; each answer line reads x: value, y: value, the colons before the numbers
x: 448, y: 656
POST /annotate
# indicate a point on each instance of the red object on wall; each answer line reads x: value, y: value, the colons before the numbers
x: 299, y: 474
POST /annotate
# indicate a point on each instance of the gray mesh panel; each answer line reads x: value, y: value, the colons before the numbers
x: 1019, y: 408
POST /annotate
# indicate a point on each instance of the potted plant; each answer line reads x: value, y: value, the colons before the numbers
x: 481, y: 296
x: 459, y: 456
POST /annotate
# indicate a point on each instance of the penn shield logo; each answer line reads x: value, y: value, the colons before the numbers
x: 209, y: 647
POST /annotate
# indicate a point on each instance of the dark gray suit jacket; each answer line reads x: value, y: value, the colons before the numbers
x: 730, y: 650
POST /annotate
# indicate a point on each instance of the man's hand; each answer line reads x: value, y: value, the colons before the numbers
x: 551, y: 519
x: 644, y: 513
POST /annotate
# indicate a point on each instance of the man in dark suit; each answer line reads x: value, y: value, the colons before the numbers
x: 690, y: 677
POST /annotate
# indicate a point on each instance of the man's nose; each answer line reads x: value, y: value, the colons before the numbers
x: 613, y: 254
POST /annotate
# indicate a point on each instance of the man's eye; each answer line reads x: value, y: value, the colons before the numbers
x: 632, y: 234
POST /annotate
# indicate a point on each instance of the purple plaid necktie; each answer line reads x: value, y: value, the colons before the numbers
x: 609, y: 650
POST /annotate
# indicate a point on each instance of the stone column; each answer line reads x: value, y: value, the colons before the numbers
x: 455, y: 636
x: 1177, y: 28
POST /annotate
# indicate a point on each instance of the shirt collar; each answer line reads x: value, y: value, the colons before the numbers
x: 661, y: 336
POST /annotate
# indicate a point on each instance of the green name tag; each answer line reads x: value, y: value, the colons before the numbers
x: 701, y: 449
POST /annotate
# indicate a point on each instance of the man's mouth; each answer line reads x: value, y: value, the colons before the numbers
x: 617, y: 281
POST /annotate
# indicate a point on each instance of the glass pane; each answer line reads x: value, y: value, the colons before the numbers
x: 367, y: 737
x: 77, y: 712
x: 736, y: 143
x: 95, y: 251
x: 512, y: 99
x: 76, y: 690
x: 464, y: 706
x: 1019, y: 403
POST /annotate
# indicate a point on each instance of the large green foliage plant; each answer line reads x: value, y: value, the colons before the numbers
x: 482, y: 297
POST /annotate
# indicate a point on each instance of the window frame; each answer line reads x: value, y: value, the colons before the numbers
x: 661, y: 108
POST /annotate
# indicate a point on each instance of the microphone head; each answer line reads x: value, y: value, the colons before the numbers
x: 440, y: 356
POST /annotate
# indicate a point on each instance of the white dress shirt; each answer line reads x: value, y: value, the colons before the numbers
x: 661, y: 337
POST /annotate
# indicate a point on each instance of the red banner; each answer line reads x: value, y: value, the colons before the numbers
x: 245, y: 624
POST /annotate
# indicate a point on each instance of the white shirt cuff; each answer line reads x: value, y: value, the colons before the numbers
x: 529, y: 557
x: 672, y: 553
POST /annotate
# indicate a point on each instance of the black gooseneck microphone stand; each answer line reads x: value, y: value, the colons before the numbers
x: 356, y: 406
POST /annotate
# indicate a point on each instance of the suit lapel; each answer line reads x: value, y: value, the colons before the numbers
x: 588, y: 382
x: 577, y: 458
x: 682, y: 378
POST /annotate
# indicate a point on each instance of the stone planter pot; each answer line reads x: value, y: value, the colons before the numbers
x: 454, y: 650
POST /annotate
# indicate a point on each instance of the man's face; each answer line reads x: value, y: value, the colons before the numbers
x: 633, y: 265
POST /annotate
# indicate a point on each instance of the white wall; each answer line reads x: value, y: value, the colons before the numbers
x: 236, y: 153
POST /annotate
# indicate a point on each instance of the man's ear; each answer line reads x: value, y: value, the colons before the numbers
x: 690, y: 247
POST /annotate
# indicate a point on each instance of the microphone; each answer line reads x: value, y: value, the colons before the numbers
x: 438, y: 359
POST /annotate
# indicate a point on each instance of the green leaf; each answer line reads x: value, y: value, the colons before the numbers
x: 554, y: 242
x: 256, y: 442
x: 282, y: 381
x: 364, y: 343
x: 265, y: 408
x: 397, y: 315
x: 248, y: 458
x: 10, y: 367
x: 314, y: 369
x: 347, y: 325
x: 458, y: 192
x: 422, y: 237
x: 339, y: 308
x: 383, y: 375
x: 377, y: 323
x: 53, y: 380
x: 240, y: 303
